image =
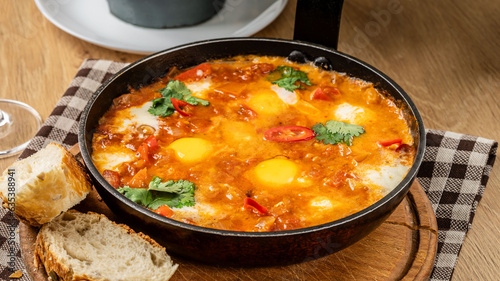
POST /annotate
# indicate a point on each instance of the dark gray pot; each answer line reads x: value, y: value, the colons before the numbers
x: 164, y: 13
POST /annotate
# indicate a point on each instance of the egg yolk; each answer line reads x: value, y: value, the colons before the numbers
x: 190, y: 150
x: 261, y: 101
x: 276, y: 172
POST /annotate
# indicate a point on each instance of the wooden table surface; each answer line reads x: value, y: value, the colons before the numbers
x: 445, y: 54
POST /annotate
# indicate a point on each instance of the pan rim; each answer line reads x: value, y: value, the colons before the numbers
x: 397, y: 192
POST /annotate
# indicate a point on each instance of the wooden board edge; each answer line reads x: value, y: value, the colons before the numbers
x: 429, y: 229
x: 421, y: 246
x: 27, y: 234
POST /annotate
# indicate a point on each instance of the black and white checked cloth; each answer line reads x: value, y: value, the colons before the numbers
x: 454, y: 173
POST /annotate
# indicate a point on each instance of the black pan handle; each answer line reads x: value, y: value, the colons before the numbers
x: 318, y: 21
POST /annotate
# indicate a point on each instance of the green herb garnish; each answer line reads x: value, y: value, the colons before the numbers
x: 334, y: 132
x: 289, y: 78
x: 163, y: 107
x: 175, y: 194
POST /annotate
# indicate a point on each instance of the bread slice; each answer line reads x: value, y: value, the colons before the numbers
x: 79, y: 246
x: 43, y: 185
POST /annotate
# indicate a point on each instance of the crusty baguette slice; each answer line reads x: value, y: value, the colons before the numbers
x: 45, y: 184
x: 79, y: 246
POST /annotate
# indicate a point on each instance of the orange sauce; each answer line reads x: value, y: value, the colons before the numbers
x: 307, y: 183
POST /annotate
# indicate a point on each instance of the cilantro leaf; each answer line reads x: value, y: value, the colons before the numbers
x: 175, y: 194
x: 164, y: 199
x: 163, y: 107
x: 180, y: 186
x: 289, y: 78
x: 138, y: 195
x: 175, y: 89
x: 334, y: 132
x: 195, y: 101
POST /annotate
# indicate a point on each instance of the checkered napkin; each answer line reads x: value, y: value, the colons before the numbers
x: 454, y: 172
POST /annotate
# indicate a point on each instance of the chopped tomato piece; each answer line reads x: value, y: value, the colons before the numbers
x: 265, y: 67
x: 250, y: 203
x: 112, y: 177
x: 332, y: 92
x: 140, y: 179
x: 390, y: 142
x: 318, y: 94
x: 196, y: 73
x: 337, y: 180
x: 147, y: 148
x: 152, y: 142
x: 143, y: 152
x: 165, y: 211
x: 177, y: 105
x: 289, y: 134
x: 325, y: 93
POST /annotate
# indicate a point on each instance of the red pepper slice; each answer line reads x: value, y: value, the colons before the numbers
x: 250, y: 203
x: 196, y: 73
x: 165, y: 211
x: 390, y: 142
x: 177, y: 105
x: 289, y: 134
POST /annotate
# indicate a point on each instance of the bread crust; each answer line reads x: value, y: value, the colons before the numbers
x: 52, y: 262
x: 68, y: 181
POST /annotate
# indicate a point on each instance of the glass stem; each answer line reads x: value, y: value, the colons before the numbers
x: 4, y: 124
x: 1, y: 118
x: 19, y: 122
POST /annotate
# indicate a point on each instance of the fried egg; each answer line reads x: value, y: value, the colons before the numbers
x: 189, y: 150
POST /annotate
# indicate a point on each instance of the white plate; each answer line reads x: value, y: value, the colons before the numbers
x: 91, y: 21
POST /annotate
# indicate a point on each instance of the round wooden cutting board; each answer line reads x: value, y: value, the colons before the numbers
x: 403, y: 247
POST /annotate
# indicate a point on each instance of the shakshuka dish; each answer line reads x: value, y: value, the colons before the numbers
x: 254, y: 143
